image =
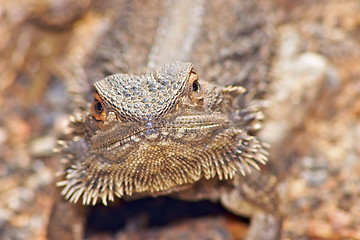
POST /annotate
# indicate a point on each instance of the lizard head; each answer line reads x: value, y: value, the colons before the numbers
x: 156, y: 132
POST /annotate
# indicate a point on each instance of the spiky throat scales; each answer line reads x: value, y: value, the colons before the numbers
x: 155, y: 132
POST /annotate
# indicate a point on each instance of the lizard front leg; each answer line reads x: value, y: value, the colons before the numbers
x: 67, y: 220
x: 256, y: 195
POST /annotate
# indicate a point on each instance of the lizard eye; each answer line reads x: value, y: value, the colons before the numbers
x: 196, y: 86
x: 97, y: 108
x: 196, y: 92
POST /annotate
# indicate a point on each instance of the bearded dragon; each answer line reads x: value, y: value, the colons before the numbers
x: 172, y: 131
x: 167, y: 132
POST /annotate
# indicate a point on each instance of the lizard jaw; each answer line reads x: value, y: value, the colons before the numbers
x: 161, y: 166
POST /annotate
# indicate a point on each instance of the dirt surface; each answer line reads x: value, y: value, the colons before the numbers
x: 317, y: 47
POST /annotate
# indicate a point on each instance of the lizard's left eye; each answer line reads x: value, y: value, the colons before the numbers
x: 196, y: 92
x: 196, y: 86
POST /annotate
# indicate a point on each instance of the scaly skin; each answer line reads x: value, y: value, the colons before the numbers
x: 157, y: 132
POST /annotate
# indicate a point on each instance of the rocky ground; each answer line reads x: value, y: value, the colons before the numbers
x: 316, y: 78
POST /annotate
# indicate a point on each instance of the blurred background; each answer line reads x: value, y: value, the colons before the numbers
x: 44, y: 42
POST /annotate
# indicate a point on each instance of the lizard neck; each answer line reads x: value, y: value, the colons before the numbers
x: 178, y: 29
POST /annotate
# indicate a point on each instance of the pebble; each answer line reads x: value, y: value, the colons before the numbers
x: 3, y: 136
x: 314, y: 171
x: 43, y: 175
x: 19, y: 198
x: 42, y: 146
x: 5, y: 215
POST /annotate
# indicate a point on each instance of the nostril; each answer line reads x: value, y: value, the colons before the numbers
x: 149, y: 128
x: 149, y: 125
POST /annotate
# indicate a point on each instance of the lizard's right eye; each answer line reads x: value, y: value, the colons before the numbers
x: 97, y: 108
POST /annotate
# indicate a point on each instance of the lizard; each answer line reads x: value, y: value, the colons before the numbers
x: 165, y: 132
x: 128, y: 147
x: 156, y: 132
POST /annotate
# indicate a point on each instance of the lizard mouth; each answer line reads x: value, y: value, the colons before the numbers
x: 182, y: 128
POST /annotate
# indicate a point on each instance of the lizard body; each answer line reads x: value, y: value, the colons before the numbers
x: 166, y: 133
x: 158, y: 133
